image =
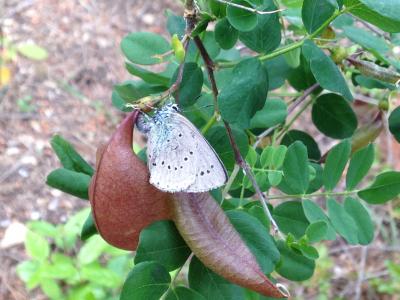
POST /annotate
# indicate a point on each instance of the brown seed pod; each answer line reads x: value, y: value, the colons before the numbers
x: 212, y: 238
x: 123, y: 201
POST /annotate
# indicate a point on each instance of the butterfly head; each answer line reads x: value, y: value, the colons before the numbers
x: 171, y: 108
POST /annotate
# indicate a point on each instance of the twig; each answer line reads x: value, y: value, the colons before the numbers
x: 372, y: 28
x: 296, y: 103
x: 289, y: 47
x: 361, y: 272
x: 238, y: 156
x: 172, y: 284
x: 253, y: 10
x: 263, y: 135
x: 383, y: 273
x: 231, y: 179
x: 148, y: 101
x: 299, y: 100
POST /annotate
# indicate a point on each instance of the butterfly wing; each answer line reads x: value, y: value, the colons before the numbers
x: 170, y: 169
x: 207, y: 168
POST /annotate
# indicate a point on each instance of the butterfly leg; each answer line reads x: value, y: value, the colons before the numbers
x: 143, y: 123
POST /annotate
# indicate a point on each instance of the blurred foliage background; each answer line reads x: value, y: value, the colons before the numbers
x: 58, y: 64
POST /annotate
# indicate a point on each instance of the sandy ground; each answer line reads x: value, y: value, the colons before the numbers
x: 70, y: 94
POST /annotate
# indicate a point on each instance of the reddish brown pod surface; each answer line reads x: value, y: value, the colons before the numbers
x: 122, y: 199
x: 212, y: 238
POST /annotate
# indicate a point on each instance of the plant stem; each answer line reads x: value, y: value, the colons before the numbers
x: 238, y: 156
x: 228, y: 185
x: 325, y: 194
x: 296, y: 103
x: 253, y: 10
x: 209, y: 124
x: 172, y: 284
x: 289, y: 47
x: 296, y: 116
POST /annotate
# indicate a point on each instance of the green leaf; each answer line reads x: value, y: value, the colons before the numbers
x: 62, y: 267
x: 190, y: 87
x: 301, y: 77
x: 175, y: 24
x: 335, y: 163
x: 210, y: 44
x: 314, y: 214
x: 260, y: 243
x: 307, y: 250
x: 376, y: 45
x: 316, y: 183
x: 258, y: 212
x: 292, y: 57
x: 325, y: 71
x: 357, y: 8
x: 273, y: 113
x: 211, y: 285
x: 342, y: 21
x: 360, y: 164
x: 278, y: 156
x: 148, y: 280
x: 342, y: 221
x: 36, y: 246
x: 278, y: 71
x: 27, y: 269
x: 144, y: 48
x: 51, y: 289
x: 130, y: 90
x: 217, y: 8
x: 246, y: 94
x: 296, y: 135
x: 266, y: 156
x: 184, y: 293
x: 91, y: 250
x: 161, y: 242
x: 32, y: 51
x: 241, y: 19
x: 372, y: 83
x: 394, y: 123
x: 70, y: 182
x: 251, y: 157
x: 334, y: 117
x: 291, y: 218
x: 43, y: 228
x: 266, y: 36
x: 96, y: 274
x: 147, y: 76
x: 89, y: 228
x: 293, y: 265
x: 362, y: 219
x: 218, y: 138
x: 202, y: 23
x: 275, y: 177
x: 385, y: 187
x: 225, y: 34
x: 315, y: 12
x: 317, y: 231
x: 387, y: 8
x: 70, y: 159
x: 118, y: 102
x: 295, y: 168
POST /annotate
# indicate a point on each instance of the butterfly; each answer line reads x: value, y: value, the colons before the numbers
x: 178, y: 156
